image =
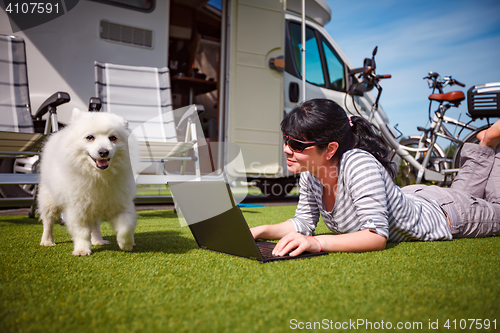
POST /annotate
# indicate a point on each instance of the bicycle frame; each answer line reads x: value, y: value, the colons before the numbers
x: 445, y: 133
x: 404, y: 152
x: 438, y: 129
x: 442, y: 131
x: 386, y: 130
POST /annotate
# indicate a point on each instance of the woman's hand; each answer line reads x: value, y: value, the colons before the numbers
x: 359, y: 241
x: 298, y: 242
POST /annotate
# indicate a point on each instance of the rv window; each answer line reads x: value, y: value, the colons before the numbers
x: 314, y: 69
x: 335, y: 67
x: 142, y: 5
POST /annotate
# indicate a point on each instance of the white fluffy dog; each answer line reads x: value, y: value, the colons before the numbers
x: 86, y: 173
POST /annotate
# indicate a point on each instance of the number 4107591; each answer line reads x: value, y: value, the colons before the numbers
x: 32, y: 8
x: 470, y: 324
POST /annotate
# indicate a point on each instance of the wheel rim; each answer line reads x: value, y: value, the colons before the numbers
x: 407, y: 174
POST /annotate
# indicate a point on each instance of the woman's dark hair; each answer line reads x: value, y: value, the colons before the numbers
x: 323, y: 120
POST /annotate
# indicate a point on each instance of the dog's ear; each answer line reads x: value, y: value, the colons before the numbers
x: 75, y: 115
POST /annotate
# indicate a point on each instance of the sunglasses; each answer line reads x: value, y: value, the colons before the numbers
x: 299, y: 146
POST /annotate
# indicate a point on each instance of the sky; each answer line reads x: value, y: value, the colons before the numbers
x: 458, y: 38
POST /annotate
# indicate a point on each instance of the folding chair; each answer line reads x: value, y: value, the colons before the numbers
x: 14, y: 94
x: 142, y: 96
x: 18, y: 142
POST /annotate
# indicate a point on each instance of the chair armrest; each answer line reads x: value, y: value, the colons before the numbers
x: 19, y: 179
x: 51, y: 103
x: 95, y: 104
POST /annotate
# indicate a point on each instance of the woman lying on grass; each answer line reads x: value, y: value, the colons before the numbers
x: 346, y: 177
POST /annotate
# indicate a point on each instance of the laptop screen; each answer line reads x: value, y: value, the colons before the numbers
x: 201, y: 200
x: 214, y: 219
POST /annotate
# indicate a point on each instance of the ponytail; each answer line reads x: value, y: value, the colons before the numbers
x: 367, y: 139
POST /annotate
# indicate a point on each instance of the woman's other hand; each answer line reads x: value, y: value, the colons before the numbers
x: 273, y: 231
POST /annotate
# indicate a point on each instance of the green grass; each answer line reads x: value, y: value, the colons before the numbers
x: 168, y: 285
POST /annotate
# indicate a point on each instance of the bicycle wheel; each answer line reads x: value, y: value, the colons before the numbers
x: 407, y: 174
x: 471, y: 138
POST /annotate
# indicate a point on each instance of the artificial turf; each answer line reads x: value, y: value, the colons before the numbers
x: 167, y: 284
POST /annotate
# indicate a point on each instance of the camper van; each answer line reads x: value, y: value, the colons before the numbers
x: 240, y: 59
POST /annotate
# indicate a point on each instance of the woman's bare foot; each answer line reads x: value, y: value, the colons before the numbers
x: 491, y: 136
x: 480, y: 135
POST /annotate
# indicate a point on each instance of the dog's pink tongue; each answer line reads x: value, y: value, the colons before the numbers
x: 102, y: 163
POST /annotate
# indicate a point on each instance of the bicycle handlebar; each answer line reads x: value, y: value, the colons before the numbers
x: 432, y: 76
x: 435, y: 83
x: 369, y: 75
x: 453, y: 81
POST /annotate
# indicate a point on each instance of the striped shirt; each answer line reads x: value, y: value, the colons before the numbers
x: 367, y: 198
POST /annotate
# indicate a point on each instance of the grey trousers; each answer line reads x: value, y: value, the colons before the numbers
x: 472, y: 203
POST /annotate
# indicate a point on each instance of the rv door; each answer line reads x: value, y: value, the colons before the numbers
x: 255, y: 84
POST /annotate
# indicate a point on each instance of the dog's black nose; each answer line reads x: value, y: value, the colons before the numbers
x: 103, y: 152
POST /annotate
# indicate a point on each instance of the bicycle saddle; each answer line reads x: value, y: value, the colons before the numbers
x: 454, y: 97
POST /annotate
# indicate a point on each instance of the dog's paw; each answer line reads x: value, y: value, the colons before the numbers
x: 126, y: 246
x: 125, y: 240
x: 82, y: 253
x: 47, y: 243
x: 101, y: 242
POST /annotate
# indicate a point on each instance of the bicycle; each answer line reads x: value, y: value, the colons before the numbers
x: 420, y: 157
x: 437, y: 159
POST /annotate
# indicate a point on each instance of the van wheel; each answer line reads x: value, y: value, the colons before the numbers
x: 20, y: 165
x: 276, y: 188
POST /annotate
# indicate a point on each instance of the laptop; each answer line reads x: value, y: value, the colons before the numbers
x: 217, y: 223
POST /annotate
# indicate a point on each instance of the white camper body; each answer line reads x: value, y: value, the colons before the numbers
x: 245, y: 53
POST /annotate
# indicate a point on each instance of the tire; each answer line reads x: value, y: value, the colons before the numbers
x: 276, y: 188
x: 471, y: 138
x: 21, y: 165
x: 407, y: 174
